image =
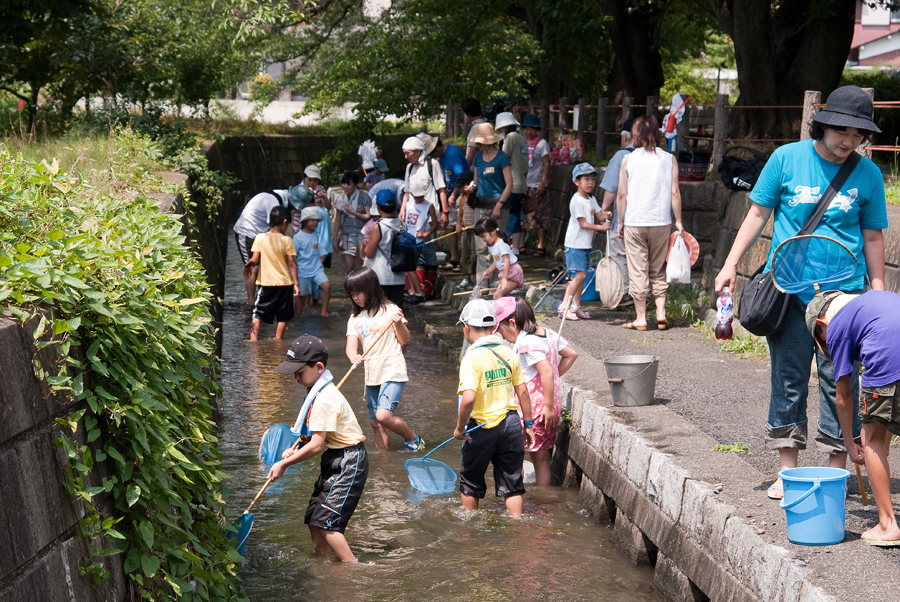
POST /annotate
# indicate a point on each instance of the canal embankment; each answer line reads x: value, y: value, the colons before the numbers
x: 651, y: 474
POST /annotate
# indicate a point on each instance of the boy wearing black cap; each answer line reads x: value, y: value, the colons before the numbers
x: 326, y: 421
x: 490, y: 379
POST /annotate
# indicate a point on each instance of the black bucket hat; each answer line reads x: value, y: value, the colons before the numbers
x: 848, y: 106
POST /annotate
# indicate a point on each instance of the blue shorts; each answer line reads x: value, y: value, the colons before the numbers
x: 516, y: 214
x: 385, y: 396
x: 578, y: 260
x: 427, y: 254
x: 309, y: 285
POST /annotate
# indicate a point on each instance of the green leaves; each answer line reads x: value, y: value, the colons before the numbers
x: 94, y: 276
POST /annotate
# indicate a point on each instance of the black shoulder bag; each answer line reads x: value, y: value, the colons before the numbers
x: 763, y: 307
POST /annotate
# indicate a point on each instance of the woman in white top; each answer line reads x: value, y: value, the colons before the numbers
x: 648, y: 195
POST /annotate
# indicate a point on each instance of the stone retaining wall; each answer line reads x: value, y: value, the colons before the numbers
x: 40, y: 554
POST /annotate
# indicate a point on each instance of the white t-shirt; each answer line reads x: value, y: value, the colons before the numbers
x: 536, y: 168
x: 498, y: 250
x: 649, y: 199
x: 417, y: 216
x: 420, y: 172
x: 254, y: 218
x: 530, y: 359
x: 576, y: 236
x: 368, y: 151
x: 471, y: 137
x: 385, y: 362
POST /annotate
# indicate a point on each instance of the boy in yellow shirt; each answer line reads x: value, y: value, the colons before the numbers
x: 326, y: 421
x: 275, y: 254
x: 490, y: 378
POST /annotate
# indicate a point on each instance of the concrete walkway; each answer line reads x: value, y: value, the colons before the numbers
x: 707, y: 397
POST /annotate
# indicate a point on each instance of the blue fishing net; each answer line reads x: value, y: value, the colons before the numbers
x: 803, y: 261
x: 274, y: 443
x: 430, y: 476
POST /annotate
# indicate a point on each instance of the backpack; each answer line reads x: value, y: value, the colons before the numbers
x: 428, y: 162
x: 404, y: 250
x: 741, y: 174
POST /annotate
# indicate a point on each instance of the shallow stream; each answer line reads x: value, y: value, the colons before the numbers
x: 410, y: 547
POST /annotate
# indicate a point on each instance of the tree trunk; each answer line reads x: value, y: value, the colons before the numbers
x: 32, y: 107
x: 780, y: 53
x: 637, y: 66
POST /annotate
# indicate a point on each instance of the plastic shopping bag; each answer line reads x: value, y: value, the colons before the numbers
x: 678, y: 270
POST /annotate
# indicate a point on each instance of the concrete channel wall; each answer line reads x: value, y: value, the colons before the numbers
x: 661, y: 516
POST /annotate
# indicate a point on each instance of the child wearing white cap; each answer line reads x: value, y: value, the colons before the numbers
x: 490, y: 380
x: 310, y: 257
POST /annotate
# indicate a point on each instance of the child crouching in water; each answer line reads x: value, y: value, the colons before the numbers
x: 545, y: 357
x: 490, y: 379
x: 505, y: 261
x: 326, y: 421
x: 385, y: 365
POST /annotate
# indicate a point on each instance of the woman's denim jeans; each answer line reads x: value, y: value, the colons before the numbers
x: 791, y: 351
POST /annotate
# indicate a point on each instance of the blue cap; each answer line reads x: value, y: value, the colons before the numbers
x: 385, y: 197
x: 583, y: 169
x: 381, y: 165
x: 531, y: 121
x: 300, y: 196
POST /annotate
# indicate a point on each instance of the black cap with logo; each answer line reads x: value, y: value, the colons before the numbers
x: 305, y: 349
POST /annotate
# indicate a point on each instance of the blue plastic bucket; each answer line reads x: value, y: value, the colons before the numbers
x: 814, y: 504
x: 589, y: 291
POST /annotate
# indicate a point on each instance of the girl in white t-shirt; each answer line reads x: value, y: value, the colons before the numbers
x: 505, y: 261
x: 544, y: 357
x: 385, y: 364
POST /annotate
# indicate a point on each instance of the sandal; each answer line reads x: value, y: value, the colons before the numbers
x: 633, y: 326
x: 775, y: 493
x: 662, y: 324
x: 455, y: 266
x: 540, y: 253
x: 583, y: 314
x: 447, y: 266
x: 568, y: 316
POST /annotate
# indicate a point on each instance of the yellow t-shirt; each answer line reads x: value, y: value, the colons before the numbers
x: 331, y: 413
x: 273, y: 267
x: 385, y: 362
x: 481, y: 371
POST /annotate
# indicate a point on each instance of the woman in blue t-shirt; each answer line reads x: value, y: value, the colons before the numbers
x: 790, y: 185
x: 493, y: 179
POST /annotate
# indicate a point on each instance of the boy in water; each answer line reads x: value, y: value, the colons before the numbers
x: 275, y: 254
x: 864, y: 328
x: 489, y: 381
x: 326, y: 421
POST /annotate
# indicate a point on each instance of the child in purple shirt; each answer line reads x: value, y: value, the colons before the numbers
x: 865, y: 328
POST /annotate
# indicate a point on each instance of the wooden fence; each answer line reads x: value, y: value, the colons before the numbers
x: 703, y: 127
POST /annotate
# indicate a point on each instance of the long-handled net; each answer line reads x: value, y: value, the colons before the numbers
x: 430, y: 476
x: 801, y: 262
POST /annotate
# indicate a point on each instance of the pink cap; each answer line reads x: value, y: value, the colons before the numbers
x: 504, y: 307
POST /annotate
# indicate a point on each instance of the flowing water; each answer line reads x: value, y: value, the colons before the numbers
x: 410, y: 547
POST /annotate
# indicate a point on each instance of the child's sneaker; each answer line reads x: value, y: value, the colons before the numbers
x: 418, y: 444
x: 464, y: 285
x: 416, y: 299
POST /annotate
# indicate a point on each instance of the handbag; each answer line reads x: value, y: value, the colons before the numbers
x: 763, y: 307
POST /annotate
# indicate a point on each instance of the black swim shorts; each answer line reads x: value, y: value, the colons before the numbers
x: 504, y: 447
x: 340, y: 484
x: 274, y: 303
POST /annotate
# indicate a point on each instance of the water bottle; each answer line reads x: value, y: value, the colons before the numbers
x: 724, y: 315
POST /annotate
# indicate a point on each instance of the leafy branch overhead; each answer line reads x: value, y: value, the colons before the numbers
x: 109, y: 284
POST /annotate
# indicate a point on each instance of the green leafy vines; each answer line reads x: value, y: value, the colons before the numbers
x: 126, y: 304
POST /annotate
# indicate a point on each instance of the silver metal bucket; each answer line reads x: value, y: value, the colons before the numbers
x: 632, y: 379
